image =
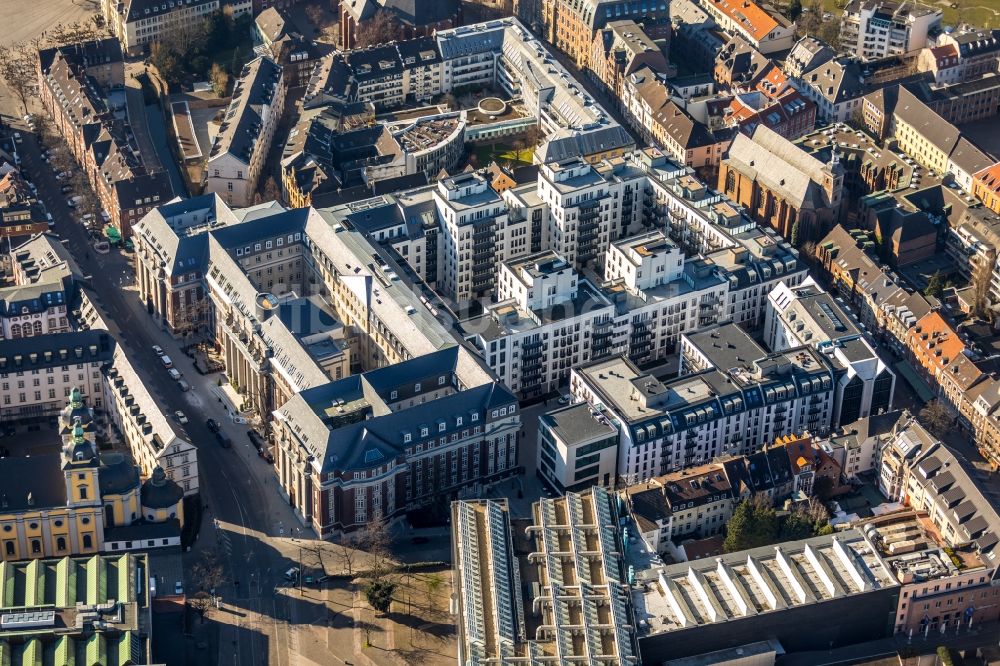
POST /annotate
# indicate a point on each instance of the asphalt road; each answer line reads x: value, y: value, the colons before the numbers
x: 234, y: 485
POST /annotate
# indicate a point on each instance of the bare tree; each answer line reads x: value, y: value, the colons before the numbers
x: 201, y: 602
x: 375, y: 539
x: 72, y: 33
x: 18, y: 71
x: 207, y: 572
x: 936, y: 418
x: 433, y: 585
x: 348, y: 552
x: 271, y: 190
x: 379, y: 29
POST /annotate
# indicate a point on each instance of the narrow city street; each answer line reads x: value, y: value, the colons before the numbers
x: 243, y: 508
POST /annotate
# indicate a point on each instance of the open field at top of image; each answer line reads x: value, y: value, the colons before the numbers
x: 27, y: 19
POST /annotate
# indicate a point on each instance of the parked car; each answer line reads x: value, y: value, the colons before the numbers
x: 183, y: 386
x: 257, y: 441
x: 564, y: 399
x: 212, y: 425
x: 292, y: 574
x: 17, y: 137
x: 66, y: 189
x: 179, y: 415
x: 158, y: 350
x: 70, y: 203
x: 224, y: 440
x: 174, y: 374
x: 165, y: 360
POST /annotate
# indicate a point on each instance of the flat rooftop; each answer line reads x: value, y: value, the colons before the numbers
x: 727, y: 346
x: 741, y: 585
x: 577, y: 423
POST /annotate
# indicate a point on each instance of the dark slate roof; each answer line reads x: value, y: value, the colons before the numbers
x: 137, y: 10
x: 648, y: 506
x: 240, y: 129
x: 376, y: 441
x: 149, y: 188
x: 159, y: 492
x: 251, y: 231
x: 375, y: 62
x: 39, y: 475
x: 55, y: 350
x: 85, y: 54
x: 418, y: 52
x: 117, y: 474
x: 142, y: 531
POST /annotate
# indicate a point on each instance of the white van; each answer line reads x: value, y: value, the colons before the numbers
x: 167, y: 363
x: 174, y: 374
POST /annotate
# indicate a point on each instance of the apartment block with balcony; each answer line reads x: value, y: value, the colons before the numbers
x: 590, y: 206
x: 667, y: 426
x: 547, y: 320
x: 872, y: 29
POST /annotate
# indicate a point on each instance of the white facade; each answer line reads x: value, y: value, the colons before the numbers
x: 872, y: 30
x: 693, y: 419
x: 577, y: 448
x: 244, y: 139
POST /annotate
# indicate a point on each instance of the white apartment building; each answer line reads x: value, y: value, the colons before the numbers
x: 871, y: 29
x: 692, y: 419
x: 590, y: 206
x: 138, y: 24
x: 476, y: 235
x: 547, y: 320
x: 657, y: 298
x: 807, y: 315
x: 244, y: 139
x: 577, y: 448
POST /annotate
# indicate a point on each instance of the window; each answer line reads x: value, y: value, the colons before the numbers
x: 88, y: 541
x: 82, y: 490
x: 9, y: 545
x: 61, y: 543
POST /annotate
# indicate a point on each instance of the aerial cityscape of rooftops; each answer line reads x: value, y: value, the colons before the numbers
x: 499, y: 332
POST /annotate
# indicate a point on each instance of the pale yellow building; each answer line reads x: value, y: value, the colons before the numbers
x: 58, y: 504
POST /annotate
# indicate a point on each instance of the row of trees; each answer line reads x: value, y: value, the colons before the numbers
x: 756, y: 523
x: 19, y: 61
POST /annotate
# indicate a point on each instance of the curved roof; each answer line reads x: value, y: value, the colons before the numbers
x: 117, y: 474
x: 159, y: 492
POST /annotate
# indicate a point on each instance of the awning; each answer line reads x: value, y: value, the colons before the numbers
x: 924, y: 391
x: 112, y: 234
